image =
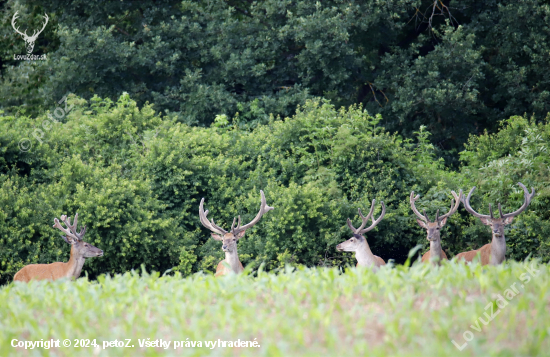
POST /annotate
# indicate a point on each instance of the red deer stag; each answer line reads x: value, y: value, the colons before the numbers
x: 494, y: 252
x: 435, y: 254
x: 229, y: 239
x: 358, y: 243
x: 79, y: 252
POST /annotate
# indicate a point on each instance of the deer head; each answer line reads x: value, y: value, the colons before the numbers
x: 358, y: 241
x: 229, y: 239
x: 434, y: 228
x: 81, y: 248
x: 497, y: 224
x: 29, y: 40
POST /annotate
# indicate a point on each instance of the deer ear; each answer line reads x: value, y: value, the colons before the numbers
x: 216, y: 236
x: 240, y: 235
x: 422, y: 224
x: 508, y: 220
x: 443, y: 221
x: 485, y: 221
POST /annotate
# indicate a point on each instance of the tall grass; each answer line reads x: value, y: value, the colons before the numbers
x: 403, y: 311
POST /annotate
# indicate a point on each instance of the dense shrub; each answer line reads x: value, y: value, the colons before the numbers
x: 136, y: 179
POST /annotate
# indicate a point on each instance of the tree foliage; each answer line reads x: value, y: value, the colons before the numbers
x: 457, y: 67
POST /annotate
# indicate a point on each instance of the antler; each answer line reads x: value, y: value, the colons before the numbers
x: 422, y: 217
x: 17, y: 29
x: 364, y: 219
x: 526, y: 201
x: 471, y: 210
x: 453, y: 208
x: 263, y: 209
x: 71, y: 231
x: 209, y: 224
x: 425, y: 218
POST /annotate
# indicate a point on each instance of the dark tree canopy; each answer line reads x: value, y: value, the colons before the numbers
x: 458, y: 67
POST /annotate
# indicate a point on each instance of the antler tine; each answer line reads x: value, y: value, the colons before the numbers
x: 527, y: 197
x: 75, y: 222
x: 470, y: 209
x: 73, y: 226
x: 413, y: 200
x: 364, y: 219
x: 454, y: 205
x: 58, y: 225
x: 491, y: 211
x: 375, y: 223
x: 264, y: 208
x: 436, y: 215
x: 350, y: 226
x: 206, y: 223
x: 233, y: 224
x: 425, y: 215
x: 82, y: 231
x: 71, y: 230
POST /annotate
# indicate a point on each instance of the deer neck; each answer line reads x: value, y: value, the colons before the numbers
x: 498, y: 249
x: 435, y: 249
x: 232, y: 258
x: 75, y: 264
x: 364, y: 255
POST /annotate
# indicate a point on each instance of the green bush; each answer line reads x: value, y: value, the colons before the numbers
x: 81, y: 167
x: 136, y: 178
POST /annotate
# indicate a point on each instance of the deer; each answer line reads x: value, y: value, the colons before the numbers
x: 358, y: 243
x: 29, y: 40
x: 229, y: 239
x: 436, y: 254
x: 494, y: 253
x: 80, y: 250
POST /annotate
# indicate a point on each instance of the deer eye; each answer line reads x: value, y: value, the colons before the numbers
x: 86, y: 244
x: 352, y: 239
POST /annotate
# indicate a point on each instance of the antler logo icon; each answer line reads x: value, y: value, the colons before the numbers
x: 29, y: 40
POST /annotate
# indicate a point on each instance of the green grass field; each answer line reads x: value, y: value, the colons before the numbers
x: 400, y: 311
